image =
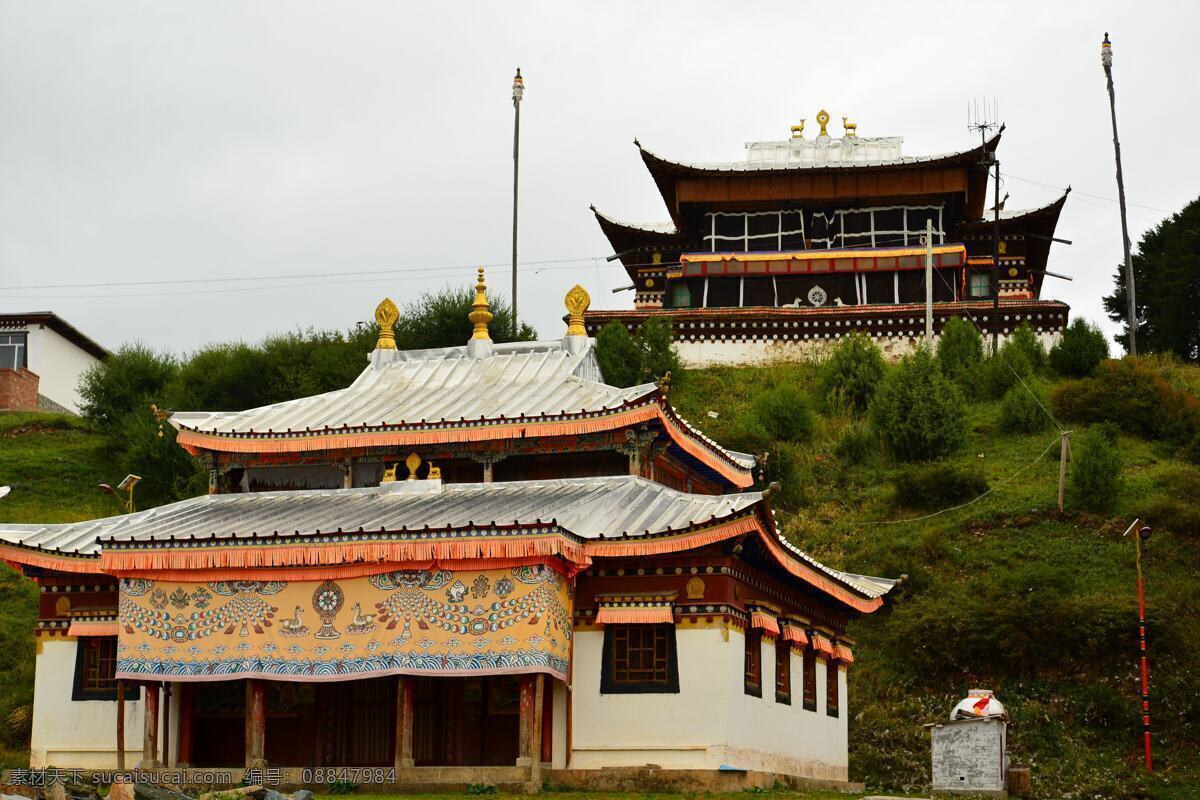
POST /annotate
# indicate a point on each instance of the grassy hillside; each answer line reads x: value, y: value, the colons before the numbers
x: 1004, y: 593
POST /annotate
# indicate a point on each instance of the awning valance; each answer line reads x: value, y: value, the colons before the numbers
x: 629, y: 615
x: 822, y: 644
x: 794, y: 634
x: 407, y: 622
x: 880, y: 259
x: 92, y: 627
x: 842, y: 653
x: 764, y: 620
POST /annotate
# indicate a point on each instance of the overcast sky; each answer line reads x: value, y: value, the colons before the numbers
x: 155, y: 141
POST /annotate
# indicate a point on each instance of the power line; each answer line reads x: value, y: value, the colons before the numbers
x: 1085, y: 194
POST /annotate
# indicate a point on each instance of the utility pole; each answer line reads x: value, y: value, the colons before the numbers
x: 1064, y: 456
x: 1143, y: 535
x: 1106, y: 61
x: 518, y: 91
x: 989, y: 160
x: 929, y: 283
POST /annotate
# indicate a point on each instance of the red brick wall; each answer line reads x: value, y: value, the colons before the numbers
x: 18, y: 390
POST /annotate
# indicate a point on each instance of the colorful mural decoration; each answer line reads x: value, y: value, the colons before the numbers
x: 434, y: 622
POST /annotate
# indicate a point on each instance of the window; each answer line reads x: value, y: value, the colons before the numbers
x: 754, y: 662
x: 831, y: 687
x: 981, y: 285
x: 783, y: 672
x: 14, y: 350
x: 757, y: 231
x: 639, y: 659
x: 810, y: 679
x: 96, y: 669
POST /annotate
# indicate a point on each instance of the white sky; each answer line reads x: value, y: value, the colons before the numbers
x: 162, y: 141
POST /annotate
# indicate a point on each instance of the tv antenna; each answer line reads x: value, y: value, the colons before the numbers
x: 983, y: 117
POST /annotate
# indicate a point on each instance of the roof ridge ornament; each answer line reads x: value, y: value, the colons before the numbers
x: 850, y: 128
x: 798, y: 130
x: 823, y: 120
x: 386, y: 315
x: 577, y: 301
x: 481, y: 313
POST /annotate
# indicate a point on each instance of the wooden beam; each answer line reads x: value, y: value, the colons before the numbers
x: 150, y: 727
x: 120, y: 725
x: 525, y: 725
x: 539, y: 705
x: 256, y: 724
x: 404, y: 723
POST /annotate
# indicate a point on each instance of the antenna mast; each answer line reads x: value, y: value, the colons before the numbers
x: 985, y: 122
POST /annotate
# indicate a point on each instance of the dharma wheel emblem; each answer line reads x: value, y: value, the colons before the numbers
x: 327, y: 602
x: 817, y: 296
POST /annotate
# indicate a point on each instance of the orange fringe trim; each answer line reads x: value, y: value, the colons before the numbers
x: 634, y: 616
x: 194, y: 441
x: 86, y: 628
x: 343, y: 571
x: 842, y: 653
x: 763, y: 620
x: 15, y: 557
x: 194, y: 558
x: 822, y: 644
x: 795, y: 635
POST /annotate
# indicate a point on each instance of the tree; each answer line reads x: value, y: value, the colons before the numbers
x: 626, y: 359
x: 1166, y: 272
x: 439, y: 319
x: 919, y: 413
x: 852, y: 372
x: 123, y: 382
x: 1082, y: 347
x: 959, y: 350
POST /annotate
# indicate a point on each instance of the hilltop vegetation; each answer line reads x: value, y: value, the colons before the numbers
x: 1003, y: 592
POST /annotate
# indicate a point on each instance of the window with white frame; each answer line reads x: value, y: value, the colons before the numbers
x: 757, y: 231
x: 981, y: 285
x: 879, y: 226
x: 14, y: 350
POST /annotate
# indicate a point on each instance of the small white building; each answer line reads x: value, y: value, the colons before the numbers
x: 42, y: 359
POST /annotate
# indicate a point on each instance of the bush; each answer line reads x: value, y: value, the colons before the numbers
x: 629, y: 360
x: 1095, y: 479
x: 1023, y: 340
x: 919, y: 414
x: 439, y: 319
x: 857, y: 444
x: 938, y: 485
x: 851, y: 374
x: 1082, y: 347
x: 783, y: 413
x: 959, y: 350
x: 1133, y: 394
x: 1025, y: 409
x: 1015, y: 362
x: 123, y: 382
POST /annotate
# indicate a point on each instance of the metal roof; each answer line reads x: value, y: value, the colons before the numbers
x: 586, y: 507
x: 814, y: 154
x: 520, y: 378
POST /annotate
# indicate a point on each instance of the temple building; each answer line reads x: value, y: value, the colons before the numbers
x: 477, y: 561
x: 809, y: 239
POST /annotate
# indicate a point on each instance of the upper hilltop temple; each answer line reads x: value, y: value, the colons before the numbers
x: 809, y: 239
x: 479, y: 557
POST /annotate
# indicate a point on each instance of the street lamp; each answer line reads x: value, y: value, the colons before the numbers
x: 518, y: 92
x: 1143, y: 535
x: 1106, y: 58
x: 124, y: 486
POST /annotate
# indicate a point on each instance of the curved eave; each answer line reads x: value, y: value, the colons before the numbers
x: 1042, y: 221
x: 633, y: 242
x: 665, y: 171
x: 650, y: 407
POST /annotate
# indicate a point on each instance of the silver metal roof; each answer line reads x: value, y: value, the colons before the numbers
x: 586, y: 507
x: 446, y: 384
x: 814, y: 154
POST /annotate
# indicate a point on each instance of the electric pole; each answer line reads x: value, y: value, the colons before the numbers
x: 984, y: 124
x: 518, y: 91
x: 1106, y: 61
x: 929, y: 283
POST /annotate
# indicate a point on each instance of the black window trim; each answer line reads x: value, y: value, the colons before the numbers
x: 80, y: 694
x: 835, y: 709
x: 752, y: 689
x: 608, y: 686
x: 783, y: 648
x: 809, y: 673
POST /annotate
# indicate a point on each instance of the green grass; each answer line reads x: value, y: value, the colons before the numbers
x: 1005, y: 593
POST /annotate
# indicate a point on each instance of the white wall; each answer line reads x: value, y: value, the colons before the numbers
x: 59, y: 364
x: 76, y: 734
x: 711, y: 722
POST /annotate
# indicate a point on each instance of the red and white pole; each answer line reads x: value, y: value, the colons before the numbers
x: 1143, y: 533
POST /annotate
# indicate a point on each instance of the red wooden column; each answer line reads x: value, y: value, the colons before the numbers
x: 166, y: 728
x: 150, y: 728
x: 256, y: 723
x: 525, y: 737
x: 535, y: 735
x: 404, y: 722
x: 187, y: 707
x: 121, y: 725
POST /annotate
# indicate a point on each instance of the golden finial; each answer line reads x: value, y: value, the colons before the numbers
x: 823, y: 120
x: 480, y: 314
x: 577, y: 302
x: 435, y: 473
x: 411, y: 464
x: 160, y: 414
x: 386, y: 315
x: 798, y: 130
x: 851, y: 128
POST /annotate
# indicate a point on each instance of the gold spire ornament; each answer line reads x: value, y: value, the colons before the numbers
x: 851, y: 128
x: 823, y: 120
x: 577, y: 301
x: 386, y: 315
x: 481, y: 313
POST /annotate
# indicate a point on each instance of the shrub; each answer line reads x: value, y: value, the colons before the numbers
x: 618, y: 355
x: 1095, y: 479
x: 919, y: 414
x: 959, y: 350
x: 1026, y: 342
x: 1191, y: 451
x: 1133, y: 394
x: 783, y: 413
x: 851, y: 374
x: 123, y: 382
x: 1024, y: 409
x: 1082, y: 347
x: 998, y: 373
x: 857, y: 444
x: 659, y: 355
x: 938, y: 485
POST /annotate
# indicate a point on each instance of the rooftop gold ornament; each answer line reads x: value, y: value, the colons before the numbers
x: 851, y: 128
x: 798, y: 130
x: 412, y: 463
x: 386, y: 315
x: 481, y: 313
x: 577, y: 302
x: 823, y: 121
